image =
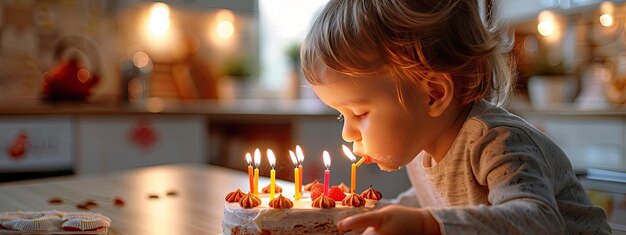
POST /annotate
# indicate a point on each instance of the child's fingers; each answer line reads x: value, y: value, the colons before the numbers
x: 364, y: 220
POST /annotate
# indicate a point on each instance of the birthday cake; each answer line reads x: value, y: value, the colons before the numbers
x: 313, y: 213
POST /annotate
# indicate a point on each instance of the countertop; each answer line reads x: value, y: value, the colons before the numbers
x: 196, y: 208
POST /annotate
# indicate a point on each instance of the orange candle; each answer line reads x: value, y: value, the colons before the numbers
x: 272, y: 159
x: 296, y: 173
x: 354, y: 165
x: 257, y: 163
x: 300, y: 156
x: 250, y: 177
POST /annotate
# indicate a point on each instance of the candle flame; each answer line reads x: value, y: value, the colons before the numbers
x: 248, y: 158
x: 271, y: 158
x: 348, y: 153
x: 326, y: 157
x: 257, y: 157
x: 299, y: 154
x: 293, y: 158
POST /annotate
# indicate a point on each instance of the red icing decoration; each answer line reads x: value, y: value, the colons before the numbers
x: 336, y: 193
x: 55, y: 200
x: 317, y: 187
x: 143, y: 135
x: 118, y: 201
x: 17, y: 150
x: 315, y: 194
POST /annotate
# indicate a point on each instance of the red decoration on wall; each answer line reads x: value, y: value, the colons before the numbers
x: 17, y: 149
x: 143, y: 135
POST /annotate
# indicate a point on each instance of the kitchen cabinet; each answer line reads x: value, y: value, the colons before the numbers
x: 109, y: 143
x: 87, y: 144
x: 30, y: 143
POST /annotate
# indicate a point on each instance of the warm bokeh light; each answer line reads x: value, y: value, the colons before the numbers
x: 159, y: 21
x: 549, y: 26
x: 607, y: 10
x: 225, y: 29
x: 545, y: 28
x: 222, y: 29
x: 141, y: 59
x: 606, y: 20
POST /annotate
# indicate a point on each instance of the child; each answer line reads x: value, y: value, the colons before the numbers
x: 412, y: 80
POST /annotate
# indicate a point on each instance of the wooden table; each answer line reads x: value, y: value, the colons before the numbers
x: 196, y: 208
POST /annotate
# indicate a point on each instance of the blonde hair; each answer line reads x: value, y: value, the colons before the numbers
x: 408, y: 39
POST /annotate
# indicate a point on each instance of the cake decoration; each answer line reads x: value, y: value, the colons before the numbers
x: 235, y: 196
x: 323, y: 202
x: 371, y: 194
x: 267, y: 189
x: 336, y: 193
x: 315, y: 194
x: 344, y: 188
x: 354, y: 200
x: 249, y: 201
x: 307, y: 187
x: 281, y: 202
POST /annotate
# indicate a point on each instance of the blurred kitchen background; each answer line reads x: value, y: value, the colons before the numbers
x: 97, y: 86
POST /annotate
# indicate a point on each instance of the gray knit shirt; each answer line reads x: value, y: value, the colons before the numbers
x: 502, y: 176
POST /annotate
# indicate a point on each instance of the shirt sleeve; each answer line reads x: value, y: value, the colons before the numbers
x: 521, y: 197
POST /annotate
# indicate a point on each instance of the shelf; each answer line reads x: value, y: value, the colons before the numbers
x: 255, y: 107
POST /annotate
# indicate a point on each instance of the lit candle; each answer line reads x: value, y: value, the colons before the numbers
x: 326, y: 157
x: 300, y: 156
x: 257, y: 163
x: 272, y: 159
x: 250, y: 177
x: 296, y: 174
x: 352, y: 158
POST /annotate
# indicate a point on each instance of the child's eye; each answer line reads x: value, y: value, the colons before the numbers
x: 361, y: 116
x: 340, y: 117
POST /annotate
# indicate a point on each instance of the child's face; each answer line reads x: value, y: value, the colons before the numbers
x: 381, y: 129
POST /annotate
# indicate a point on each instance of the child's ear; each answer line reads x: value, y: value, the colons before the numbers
x: 441, y: 95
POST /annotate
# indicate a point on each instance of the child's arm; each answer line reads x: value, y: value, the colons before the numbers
x: 528, y: 184
x: 394, y: 219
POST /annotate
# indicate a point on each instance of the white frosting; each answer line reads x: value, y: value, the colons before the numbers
x: 301, y: 217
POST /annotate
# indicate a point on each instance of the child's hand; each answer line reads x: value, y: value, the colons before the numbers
x: 393, y: 219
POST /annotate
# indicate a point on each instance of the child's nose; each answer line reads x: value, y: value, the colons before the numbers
x: 350, y: 133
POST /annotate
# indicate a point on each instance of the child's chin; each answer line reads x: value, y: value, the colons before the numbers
x: 388, y: 168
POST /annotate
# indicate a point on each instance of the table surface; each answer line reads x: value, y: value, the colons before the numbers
x: 196, y: 208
